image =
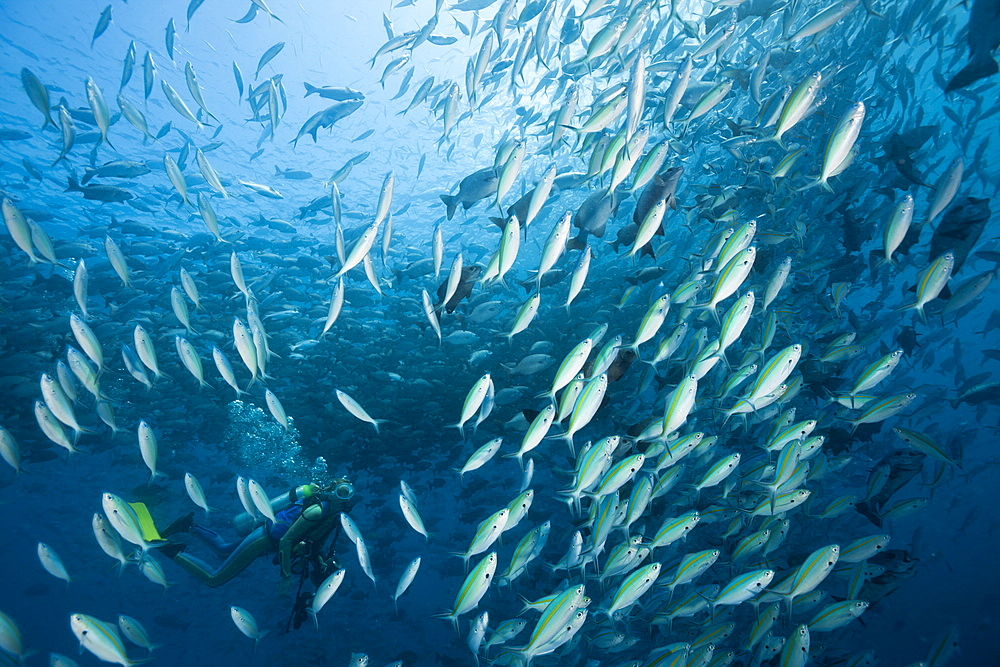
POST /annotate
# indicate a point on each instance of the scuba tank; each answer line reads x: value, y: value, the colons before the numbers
x: 245, y: 522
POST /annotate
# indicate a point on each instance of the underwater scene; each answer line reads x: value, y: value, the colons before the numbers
x: 625, y: 333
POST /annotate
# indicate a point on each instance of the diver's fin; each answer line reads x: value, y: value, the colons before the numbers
x: 149, y: 531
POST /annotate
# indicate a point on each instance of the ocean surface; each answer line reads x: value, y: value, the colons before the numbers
x: 764, y: 342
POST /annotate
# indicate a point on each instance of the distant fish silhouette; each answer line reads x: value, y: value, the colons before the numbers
x: 984, y: 37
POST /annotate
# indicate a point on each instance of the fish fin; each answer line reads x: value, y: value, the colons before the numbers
x: 812, y: 184
x: 451, y: 203
x: 974, y: 71
x: 579, y: 242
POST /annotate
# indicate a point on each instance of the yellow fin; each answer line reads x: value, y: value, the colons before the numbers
x: 149, y: 531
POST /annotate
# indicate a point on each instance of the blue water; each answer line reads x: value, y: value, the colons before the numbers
x: 382, y: 352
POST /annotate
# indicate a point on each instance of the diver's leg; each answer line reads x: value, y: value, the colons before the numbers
x: 255, y: 544
x: 216, y: 542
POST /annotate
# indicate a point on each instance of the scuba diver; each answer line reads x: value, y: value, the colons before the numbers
x: 305, y: 518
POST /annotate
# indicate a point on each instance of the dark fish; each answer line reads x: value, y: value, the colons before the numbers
x: 103, y: 193
x: 116, y: 169
x: 572, y: 27
x: 171, y: 33
x: 464, y: 289
x: 472, y: 5
x: 315, y: 206
x: 622, y: 361
x: 31, y: 169
x: 419, y: 268
x: 238, y: 75
x: 56, y: 284
x: 359, y: 158
x: 37, y: 215
x: 856, y: 230
x: 899, y: 566
x: 663, y: 186
x: 268, y: 56
x: 553, y: 277
x: 278, y: 225
x: 128, y: 66
x: 140, y: 206
x: 592, y: 217
x: 102, y: 25
x: 192, y: 8
x: 530, y: 11
x: 333, y: 93
x: 900, y: 147
x: 292, y: 174
x: 14, y: 135
x: 903, y: 466
x: 474, y: 187
x: 960, y: 229
x: 907, y: 340
x: 327, y: 118
x: 249, y: 16
x: 87, y: 138
x: 79, y: 114
x: 988, y: 392
x: 405, y: 85
x: 518, y: 208
x: 983, y: 37
x: 626, y: 236
x: 646, y: 274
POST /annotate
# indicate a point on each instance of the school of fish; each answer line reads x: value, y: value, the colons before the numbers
x: 673, y: 388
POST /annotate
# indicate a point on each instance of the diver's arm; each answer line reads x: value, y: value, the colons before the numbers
x: 296, y: 533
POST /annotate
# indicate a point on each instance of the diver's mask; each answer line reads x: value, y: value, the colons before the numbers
x: 342, y: 489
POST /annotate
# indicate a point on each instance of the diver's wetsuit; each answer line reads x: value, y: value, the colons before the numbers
x: 296, y: 524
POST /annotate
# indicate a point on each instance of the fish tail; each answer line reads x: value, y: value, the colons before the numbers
x: 451, y: 203
x: 812, y: 184
x: 917, y: 306
x: 572, y: 447
x: 974, y: 71
x: 578, y: 242
x: 885, y: 260
x: 518, y: 456
x: 775, y: 138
